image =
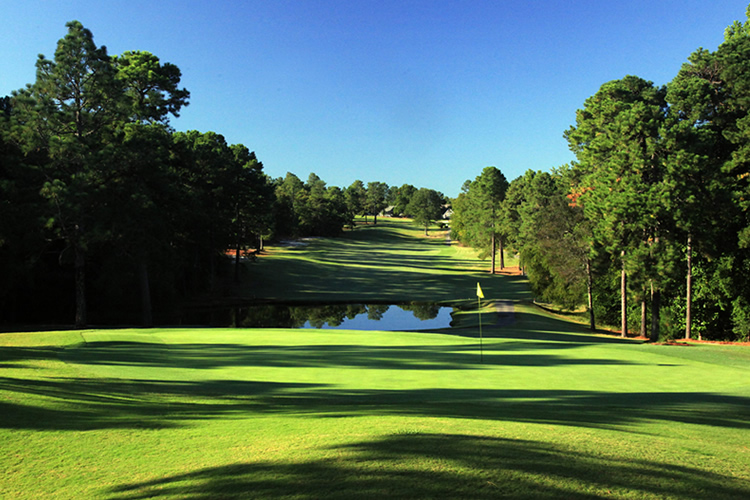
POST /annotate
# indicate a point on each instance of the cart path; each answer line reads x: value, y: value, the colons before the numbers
x: 506, y: 314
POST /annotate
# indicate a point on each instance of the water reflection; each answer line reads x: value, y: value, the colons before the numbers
x: 415, y: 316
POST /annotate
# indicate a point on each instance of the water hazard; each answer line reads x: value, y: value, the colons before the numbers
x: 387, y: 317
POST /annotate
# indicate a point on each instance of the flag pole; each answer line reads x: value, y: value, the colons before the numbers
x: 479, y: 313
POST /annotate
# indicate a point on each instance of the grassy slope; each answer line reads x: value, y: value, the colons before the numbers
x: 551, y: 413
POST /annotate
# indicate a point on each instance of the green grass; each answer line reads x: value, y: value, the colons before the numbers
x: 551, y: 412
x: 389, y: 262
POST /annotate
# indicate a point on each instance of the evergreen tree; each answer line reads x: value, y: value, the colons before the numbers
x: 355, y: 196
x: 73, y: 112
x: 425, y: 207
x: 477, y: 214
x: 375, y: 199
x: 617, y: 139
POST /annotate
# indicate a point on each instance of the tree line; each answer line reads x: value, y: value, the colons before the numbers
x: 105, y: 207
x: 649, y: 226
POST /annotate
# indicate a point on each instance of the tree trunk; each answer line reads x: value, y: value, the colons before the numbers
x: 502, y: 253
x: 623, y: 299
x: 655, y: 311
x: 211, y: 263
x: 492, y: 250
x: 80, y: 278
x: 643, y: 314
x: 237, y: 252
x: 146, y: 310
x: 689, y: 295
x: 590, y: 292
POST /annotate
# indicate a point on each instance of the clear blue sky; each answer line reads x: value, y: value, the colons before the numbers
x: 418, y: 92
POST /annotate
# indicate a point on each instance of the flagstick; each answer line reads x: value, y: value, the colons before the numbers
x: 479, y: 312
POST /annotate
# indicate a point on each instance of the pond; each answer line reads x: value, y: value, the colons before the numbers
x: 387, y: 317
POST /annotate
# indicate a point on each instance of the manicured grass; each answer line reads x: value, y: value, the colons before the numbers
x: 551, y: 412
x: 311, y: 414
x: 392, y: 261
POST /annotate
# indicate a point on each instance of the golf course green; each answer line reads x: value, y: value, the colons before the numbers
x: 544, y: 409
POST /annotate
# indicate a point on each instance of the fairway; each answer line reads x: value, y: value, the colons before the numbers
x: 547, y: 411
x: 391, y: 261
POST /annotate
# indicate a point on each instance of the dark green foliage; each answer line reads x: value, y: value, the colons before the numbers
x: 375, y: 199
x: 73, y: 113
x: 399, y: 198
x: 312, y: 208
x: 425, y: 207
x: 477, y: 214
x: 550, y: 235
x: 22, y: 242
x: 658, y: 195
x: 150, y: 87
x: 620, y: 182
x: 662, y: 176
x: 355, y: 197
x: 324, y: 211
x: 98, y: 190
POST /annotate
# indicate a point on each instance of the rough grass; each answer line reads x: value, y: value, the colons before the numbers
x: 551, y: 412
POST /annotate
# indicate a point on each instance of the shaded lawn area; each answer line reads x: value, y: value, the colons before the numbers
x: 452, y: 466
x: 220, y: 413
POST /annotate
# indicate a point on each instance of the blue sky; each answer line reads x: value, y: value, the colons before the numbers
x: 418, y: 92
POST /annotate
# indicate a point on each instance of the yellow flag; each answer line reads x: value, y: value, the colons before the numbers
x: 479, y: 291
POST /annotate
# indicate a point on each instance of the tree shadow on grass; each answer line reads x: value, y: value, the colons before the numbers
x: 445, y: 466
x: 87, y: 404
x: 530, y: 327
x: 594, y: 409
x: 406, y: 357
x: 15, y: 357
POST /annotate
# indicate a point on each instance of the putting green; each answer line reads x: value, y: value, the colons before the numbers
x: 238, y: 413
